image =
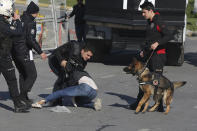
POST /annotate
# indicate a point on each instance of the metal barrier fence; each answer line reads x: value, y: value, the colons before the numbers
x: 52, y: 28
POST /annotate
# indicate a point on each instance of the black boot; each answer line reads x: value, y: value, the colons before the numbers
x: 134, y: 105
x: 19, y: 107
x: 24, y: 98
x: 160, y: 107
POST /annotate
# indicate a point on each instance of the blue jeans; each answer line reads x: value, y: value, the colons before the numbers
x: 83, y: 92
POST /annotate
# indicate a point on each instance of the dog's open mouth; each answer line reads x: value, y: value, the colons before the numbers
x: 127, y: 70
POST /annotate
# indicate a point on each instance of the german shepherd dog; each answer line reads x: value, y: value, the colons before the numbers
x: 152, y: 84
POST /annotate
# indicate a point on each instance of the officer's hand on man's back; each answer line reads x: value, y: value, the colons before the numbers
x: 43, y: 56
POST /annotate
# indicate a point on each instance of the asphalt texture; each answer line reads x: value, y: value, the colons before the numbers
x: 117, y: 90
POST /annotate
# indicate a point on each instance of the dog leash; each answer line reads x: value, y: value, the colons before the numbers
x: 149, y: 58
x: 147, y: 62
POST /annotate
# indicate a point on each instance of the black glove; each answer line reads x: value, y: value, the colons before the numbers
x: 69, y: 67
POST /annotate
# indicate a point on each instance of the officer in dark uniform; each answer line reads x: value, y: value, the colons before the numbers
x: 80, y: 24
x: 22, y: 52
x: 157, y: 35
x: 7, y: 32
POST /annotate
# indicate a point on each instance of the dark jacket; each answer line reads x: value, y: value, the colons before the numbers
x: 156, y: 31
x: 79, y: 12
x: 19, y: 44
x: 71, y: 52
x: 7, y: 32
x: 30, y: 31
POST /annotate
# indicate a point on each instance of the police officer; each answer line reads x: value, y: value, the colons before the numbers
x: 80, y: 24
x: 7, y: 32
x: 157, y: 35
x: 22, y: 52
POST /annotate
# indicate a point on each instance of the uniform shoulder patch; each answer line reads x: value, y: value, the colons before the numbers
x: 12, y: 28
x: 32, y: 31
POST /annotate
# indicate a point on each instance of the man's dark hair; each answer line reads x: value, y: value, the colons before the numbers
x: 147, y: 6
x: 89, y: 47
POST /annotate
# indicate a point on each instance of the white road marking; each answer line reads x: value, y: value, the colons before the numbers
x: 107, y: 76
x: 144, y: 130
x: 195, y: 107
x: 49, y: 88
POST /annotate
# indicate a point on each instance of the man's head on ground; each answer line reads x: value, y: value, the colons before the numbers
x: 147, y: 10
x: 32, y: 9
x: 87, y: 52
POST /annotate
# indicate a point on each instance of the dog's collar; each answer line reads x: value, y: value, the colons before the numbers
x: 153, y: 83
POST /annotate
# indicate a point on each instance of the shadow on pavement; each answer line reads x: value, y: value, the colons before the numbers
x: 6, y: 107
x: 4, y: 95
x: 191, y: 58
x: 128, y: 99
x: 104, y: 126
x: 43, y: 95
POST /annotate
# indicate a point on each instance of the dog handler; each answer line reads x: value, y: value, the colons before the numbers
x: 157, y: 35
x: 73, y: 58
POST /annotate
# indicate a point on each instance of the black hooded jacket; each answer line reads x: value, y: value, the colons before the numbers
x: 23, y: 44
x: 79, y: 12
x: 7, y: 32
x: 156, y: 31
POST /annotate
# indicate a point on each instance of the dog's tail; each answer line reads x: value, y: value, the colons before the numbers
x: 178, y: 84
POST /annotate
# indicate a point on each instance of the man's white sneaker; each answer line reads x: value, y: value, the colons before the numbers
x: 36, y: 105
x: 98, y: 104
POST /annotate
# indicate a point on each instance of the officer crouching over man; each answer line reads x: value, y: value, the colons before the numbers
x: 68, y: 63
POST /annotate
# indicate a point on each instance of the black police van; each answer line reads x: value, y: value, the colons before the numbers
x: 119, y: 24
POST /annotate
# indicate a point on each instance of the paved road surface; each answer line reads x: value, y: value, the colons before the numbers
x: 117, y: 90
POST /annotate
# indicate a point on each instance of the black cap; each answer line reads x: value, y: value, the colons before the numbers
x: 32, y: 8
x: 147, y: 5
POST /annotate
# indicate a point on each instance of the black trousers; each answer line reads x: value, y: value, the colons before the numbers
x: 58, y: 71
x: 27, y: 72
x: 8, y: 71
x: 157, y: 62
x: 60, y: 83
x: 80, y: 32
